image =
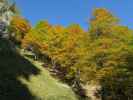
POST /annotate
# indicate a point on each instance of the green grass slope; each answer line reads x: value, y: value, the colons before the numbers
x: 24, y: 79
x: 46, y: 87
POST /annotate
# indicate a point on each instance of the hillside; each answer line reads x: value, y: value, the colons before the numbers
x: 57, y: 61
x: 22, y: 79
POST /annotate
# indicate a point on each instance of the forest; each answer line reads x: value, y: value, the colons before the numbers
x: 97, y: 64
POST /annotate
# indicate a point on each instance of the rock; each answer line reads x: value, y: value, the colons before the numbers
x: 93, y: 91
x: 5, y: 18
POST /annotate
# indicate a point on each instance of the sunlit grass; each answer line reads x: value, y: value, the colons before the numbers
x: 46, y: 87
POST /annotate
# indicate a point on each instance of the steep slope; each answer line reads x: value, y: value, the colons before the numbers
x: 24, y: 79
x: 46, y: 87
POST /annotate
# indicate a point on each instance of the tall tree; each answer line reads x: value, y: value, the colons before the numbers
x: 102, y: 21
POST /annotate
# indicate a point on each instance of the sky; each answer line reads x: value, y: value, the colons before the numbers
x: 65, y: 12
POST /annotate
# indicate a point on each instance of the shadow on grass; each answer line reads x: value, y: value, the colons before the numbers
x: 12, y: 66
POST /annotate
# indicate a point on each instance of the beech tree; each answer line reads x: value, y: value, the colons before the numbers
x: 18, y: 28
x: 111, y: 54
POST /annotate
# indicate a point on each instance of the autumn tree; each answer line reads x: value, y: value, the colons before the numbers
x: 18, y: 28
x: 111, y: 54
x: 102, y: 21
x: 36, y: 38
